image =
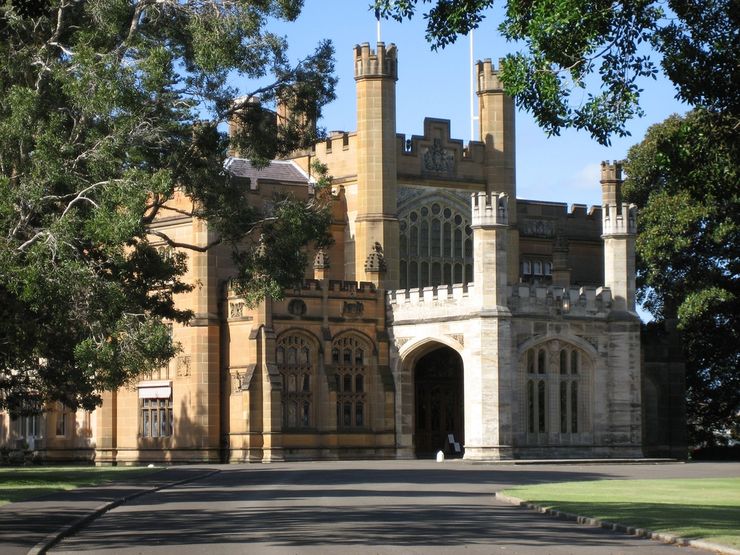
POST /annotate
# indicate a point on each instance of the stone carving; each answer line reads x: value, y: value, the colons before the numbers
x: 375, y: 261
x: 537, y: 228
x: 594, y: 341
x: 297, y: 307
x: 438, y: 159
x: 352, y: 308
x: 459, y: 337
x: 183, y: 366
x: 241, y: 378
x: 321, y: 260
x: 236, y: 309
x: 400, y: 341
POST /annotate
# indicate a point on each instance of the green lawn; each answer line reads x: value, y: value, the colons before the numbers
x: 25, y: 482
x: 707, y: 509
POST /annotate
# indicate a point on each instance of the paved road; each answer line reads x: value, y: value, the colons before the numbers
x: 365, y: 507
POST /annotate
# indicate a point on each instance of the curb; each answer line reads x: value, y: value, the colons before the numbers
x: 55, y: 537
x: 617, y: 527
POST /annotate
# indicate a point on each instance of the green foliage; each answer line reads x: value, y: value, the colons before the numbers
x: 684, y: 177
x: 568, y: 41
x: 107, y: 109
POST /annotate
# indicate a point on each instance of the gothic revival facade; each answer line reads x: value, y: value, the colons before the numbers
x: 447, y: 315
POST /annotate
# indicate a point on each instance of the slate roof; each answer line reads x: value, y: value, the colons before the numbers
x: 284, y: 171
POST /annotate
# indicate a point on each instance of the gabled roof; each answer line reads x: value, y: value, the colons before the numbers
x: 284, y: 171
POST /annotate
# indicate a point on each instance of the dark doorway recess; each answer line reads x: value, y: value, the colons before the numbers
x: 438, y: 384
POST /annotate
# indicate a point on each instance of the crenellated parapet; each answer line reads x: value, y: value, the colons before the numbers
x: 611, y: 171
x: 534, y: 299
x: 488, y: 77
x: 430, y: 303
x: 444, y: 301
x: 619, y: 219
x: 489, y: 209
x: 381, y: 62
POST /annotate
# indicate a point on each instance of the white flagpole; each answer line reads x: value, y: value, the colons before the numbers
x: 378, y: 27
x: 472, y: 90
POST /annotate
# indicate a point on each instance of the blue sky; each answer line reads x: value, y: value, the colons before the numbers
x: 437, y: 84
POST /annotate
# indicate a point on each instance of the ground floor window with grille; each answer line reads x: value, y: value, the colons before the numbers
x: 155, y: 408
x: 156, y: 417
x: 63, y: 414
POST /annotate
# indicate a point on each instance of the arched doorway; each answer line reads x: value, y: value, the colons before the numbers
x: 438, y: 387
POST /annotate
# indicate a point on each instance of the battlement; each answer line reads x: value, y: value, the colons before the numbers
x: 489, y: 209
x: 619, y: 219
x: 421, y: 304
x: 439, y: 293
x: 488, y: 77
x: 611, y: 171
x: 381, y: 62
x: 575, y: 301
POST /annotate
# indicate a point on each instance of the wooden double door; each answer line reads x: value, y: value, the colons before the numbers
x: 438, y: 386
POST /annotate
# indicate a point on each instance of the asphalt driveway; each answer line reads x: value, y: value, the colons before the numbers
x: 367, y: 507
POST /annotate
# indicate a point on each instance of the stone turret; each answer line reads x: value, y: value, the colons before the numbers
x: 497, y: 129
x: 619, y: 229
x: 496, y: 115
x: 490, y: 222
x: 376, y: 73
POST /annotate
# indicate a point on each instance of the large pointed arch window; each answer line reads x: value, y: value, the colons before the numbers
x: 556, y: 392
x: 350, y: 359
x: 296, y: 361
x: 440, y: 246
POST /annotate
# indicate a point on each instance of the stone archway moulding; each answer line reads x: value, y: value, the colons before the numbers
x: 415, y: 347
x: 571, y: 339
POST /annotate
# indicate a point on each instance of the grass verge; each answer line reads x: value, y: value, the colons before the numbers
x: 706, y: 508
x: 18, y: 484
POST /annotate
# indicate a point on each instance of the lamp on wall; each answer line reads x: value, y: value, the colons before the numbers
x: 565, y: 302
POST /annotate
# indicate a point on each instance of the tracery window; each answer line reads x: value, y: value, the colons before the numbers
x: 350, y: 359
x: 556, y: 382
x: 436, y: 244
x: 295, y: 357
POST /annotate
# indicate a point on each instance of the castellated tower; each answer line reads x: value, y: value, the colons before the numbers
x: 496, y: 115
x: 618, y: 231
x: 489, y: 368
x: 376, y: 223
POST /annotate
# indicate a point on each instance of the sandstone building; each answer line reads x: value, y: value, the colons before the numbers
x: 447, y: 315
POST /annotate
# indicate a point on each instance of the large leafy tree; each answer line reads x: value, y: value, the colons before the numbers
x: 107, y: 109
x: 582, y: 63
x: 684, y: 175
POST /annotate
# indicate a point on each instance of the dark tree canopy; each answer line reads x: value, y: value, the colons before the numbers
x: 696, y: 43
x: 107, y: 108
x: 684, y: 176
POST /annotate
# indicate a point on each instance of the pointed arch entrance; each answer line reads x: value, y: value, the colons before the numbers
x: 438, y: 402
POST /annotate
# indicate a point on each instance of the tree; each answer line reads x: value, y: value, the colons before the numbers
x: 684, y: 178
x: 107, y: 108
x: 568, y: 41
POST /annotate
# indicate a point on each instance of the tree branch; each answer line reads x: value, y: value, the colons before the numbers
x: 176, y: 244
